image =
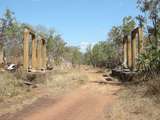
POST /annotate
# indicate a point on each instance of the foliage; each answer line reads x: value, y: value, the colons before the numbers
x: 100, y: 54
x: 115, y: 35
x: 109, y: 53
x: 150, y: 59
x: 117, y: 32
x: 56, y: 48
x: 74, y: 55
x: 151, y: 9
x: 128, y: 25
x: 11, y: 36
x: 88, y: 56
x: 13, y: 40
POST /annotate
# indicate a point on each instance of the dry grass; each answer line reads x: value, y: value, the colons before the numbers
x: 64, y: 80
x: 14, y: 94
x: 10, y: 86
x: 139, y: 100
x: 133, y: 104
x: 58, y: 80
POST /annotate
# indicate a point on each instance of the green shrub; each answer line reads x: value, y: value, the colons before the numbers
x: 150, y: 59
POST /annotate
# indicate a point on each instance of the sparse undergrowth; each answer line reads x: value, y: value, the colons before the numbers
x: 10, y: 86
x: 137, y: 102
x: 13, y: 84
x: 14, y: 93
x: 63, y: 80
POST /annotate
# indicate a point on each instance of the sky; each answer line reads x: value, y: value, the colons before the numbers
x: 80, y: 22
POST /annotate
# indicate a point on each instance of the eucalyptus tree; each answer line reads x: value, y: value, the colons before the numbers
x: 151, y: 10
x: 128, y: 25
x: 11, y: 34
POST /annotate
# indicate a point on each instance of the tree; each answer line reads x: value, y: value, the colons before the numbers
x: 56, y: 48
x: 128, y: 25
x: 115, y: 36
x: 11, y: 34
x: 117, y: 32
x: 74, y: 55
x: 141, y: 20
x: 100, y: 54
x: 88, y: 55
x: 151, y: 9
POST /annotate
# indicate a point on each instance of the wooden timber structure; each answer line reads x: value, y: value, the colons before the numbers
x: 132, y: 48
x: 38, y: 51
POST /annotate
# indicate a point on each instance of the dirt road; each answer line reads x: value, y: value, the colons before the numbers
x: 89, y: 102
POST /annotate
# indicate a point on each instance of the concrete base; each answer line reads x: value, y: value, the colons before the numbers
x: 123, y: 75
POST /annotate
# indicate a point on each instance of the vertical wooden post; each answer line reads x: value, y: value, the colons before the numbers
x: 140, y: 40
x: 133, y: 47
x: 26, y: 49
x: 44, y: 54
x: 34, y: 59
x: 125, y: 52
x: 39, y: 54
x: 129, y: 53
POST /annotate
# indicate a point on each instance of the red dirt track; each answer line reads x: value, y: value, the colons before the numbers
x: 89, y: 102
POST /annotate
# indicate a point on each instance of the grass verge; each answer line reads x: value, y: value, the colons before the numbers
x: 135, y: 103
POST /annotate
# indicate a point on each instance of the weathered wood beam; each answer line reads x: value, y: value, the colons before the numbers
x: 44, y: 54
x: 125, y: 52
x: 26, y: 49
x: 129, y: 53
x: 34, y: 54
x: 39, y: 54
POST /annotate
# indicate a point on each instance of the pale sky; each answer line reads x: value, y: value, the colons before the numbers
x: 80, y: 22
